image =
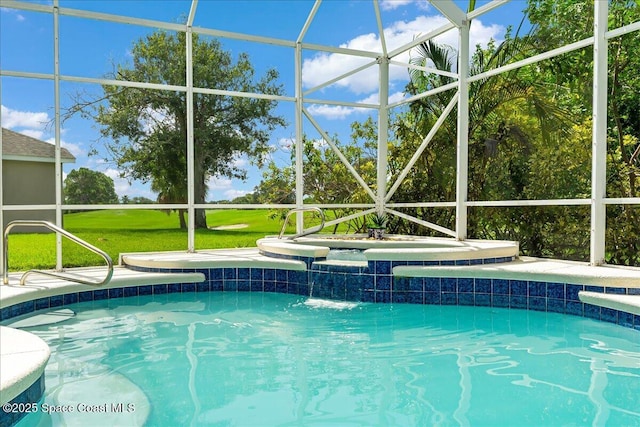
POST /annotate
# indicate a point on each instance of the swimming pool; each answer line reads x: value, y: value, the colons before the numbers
x: 235, y: 358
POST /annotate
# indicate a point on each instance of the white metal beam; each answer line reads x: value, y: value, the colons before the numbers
x: 299, y: 146
x: 192, y: 13
x: 145, y: 85
x: 533, y: 59
x: 443, y: 88
x: 348, y: 217
x: 383, y: 130
x: 485, y: 8
x: 451, y: 11
x: 340, y: 50
x: 623, y: 30
x: 462, y: 158
x: 383, y: 42
x: 423, y: 38
x: 424, y: 223
x: 342, y: 103
x: 243, y: 37
x: 308, y: 22
x: 425, y: 69
x: 599, y: 136
x: 191, y: 200
x: 57, y: 125
x: 341, y: 77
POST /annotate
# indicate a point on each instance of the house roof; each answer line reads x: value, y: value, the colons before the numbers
x: 16, y: 146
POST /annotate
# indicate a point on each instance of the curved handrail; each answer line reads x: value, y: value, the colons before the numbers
x: 304, y: 232
x: 65, y: 233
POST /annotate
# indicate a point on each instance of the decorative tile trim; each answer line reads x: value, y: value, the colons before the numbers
x: 29, y: 397
x: 373, y: 283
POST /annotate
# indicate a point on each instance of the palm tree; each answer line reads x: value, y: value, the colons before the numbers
x: 499, y: 144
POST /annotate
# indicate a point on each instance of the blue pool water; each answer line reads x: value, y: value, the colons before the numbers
x: 240, y: 359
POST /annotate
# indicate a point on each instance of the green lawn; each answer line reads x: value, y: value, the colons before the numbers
x: 126, y: 230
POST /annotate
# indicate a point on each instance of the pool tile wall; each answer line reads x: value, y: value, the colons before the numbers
x: 366, y: 283
x: 23, y: 404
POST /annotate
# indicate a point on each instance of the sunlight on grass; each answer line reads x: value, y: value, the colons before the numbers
x: 121, y: 231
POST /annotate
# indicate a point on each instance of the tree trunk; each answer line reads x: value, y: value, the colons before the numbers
x: 200, y: 189
x: 201, y: 218
x: 183, y: 221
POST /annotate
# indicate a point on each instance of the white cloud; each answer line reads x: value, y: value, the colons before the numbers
x: 338, y: 112
x: 112, y: 173
x: 33, y: 133
x: 76, y: 149
x: 19, y: 17
x: 23, y: 119
x: 33, y: 124
x: 331, y: 112
x: 121, y: 185
x: 223, y: 189
x: 233, y: 193
x: 240, y: 161
x: 396, y: 97
x: 285, y: 144
x: 216, y: 183
x: 394, y: 4
x: 320, y: 143
x: 153, y: 118
x: 323, y: 67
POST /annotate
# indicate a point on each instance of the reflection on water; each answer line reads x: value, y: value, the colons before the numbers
x: 234, y: 358
x: 346, y: 255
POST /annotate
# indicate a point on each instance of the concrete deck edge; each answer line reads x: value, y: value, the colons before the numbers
x: 229, y: 258
x: 291, y: 248
x: 37, y: 287
x: 626, y: 303
x: 538, y: 269
x: 23, y: 358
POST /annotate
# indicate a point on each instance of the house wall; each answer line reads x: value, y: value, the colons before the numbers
x: 28, y: 183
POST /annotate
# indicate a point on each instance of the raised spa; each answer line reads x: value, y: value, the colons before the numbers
x: 407, y: 249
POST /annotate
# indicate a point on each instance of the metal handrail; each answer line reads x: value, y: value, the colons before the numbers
x: 304, y: 232
x: 65, y: 233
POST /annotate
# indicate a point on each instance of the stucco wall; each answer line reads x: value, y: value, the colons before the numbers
x: 28, y: 183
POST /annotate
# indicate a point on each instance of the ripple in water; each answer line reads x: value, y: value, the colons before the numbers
x: 275, y: 359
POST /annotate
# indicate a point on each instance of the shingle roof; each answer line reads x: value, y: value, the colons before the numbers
x: 17, y: 145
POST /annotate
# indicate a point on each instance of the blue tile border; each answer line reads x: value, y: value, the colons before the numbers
x: 27, y: 399
x: 372, y: 283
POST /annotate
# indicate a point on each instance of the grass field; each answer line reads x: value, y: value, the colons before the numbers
x: 125, y: 230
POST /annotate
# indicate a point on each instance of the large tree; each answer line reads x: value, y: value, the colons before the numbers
x: 146, y: 129
x: 86, y: 187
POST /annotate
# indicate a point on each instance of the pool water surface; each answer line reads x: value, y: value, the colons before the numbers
x: 240, y: 359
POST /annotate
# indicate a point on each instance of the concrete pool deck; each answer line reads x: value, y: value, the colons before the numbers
x: 20, y: 370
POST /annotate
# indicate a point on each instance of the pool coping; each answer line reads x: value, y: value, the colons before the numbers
x: 43, y: 287
x: 23, y: 358
x: 398, y: 248
x: 223, y: 258
x: 549, y: 270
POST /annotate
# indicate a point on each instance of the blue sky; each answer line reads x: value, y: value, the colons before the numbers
x: 89, y: 48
